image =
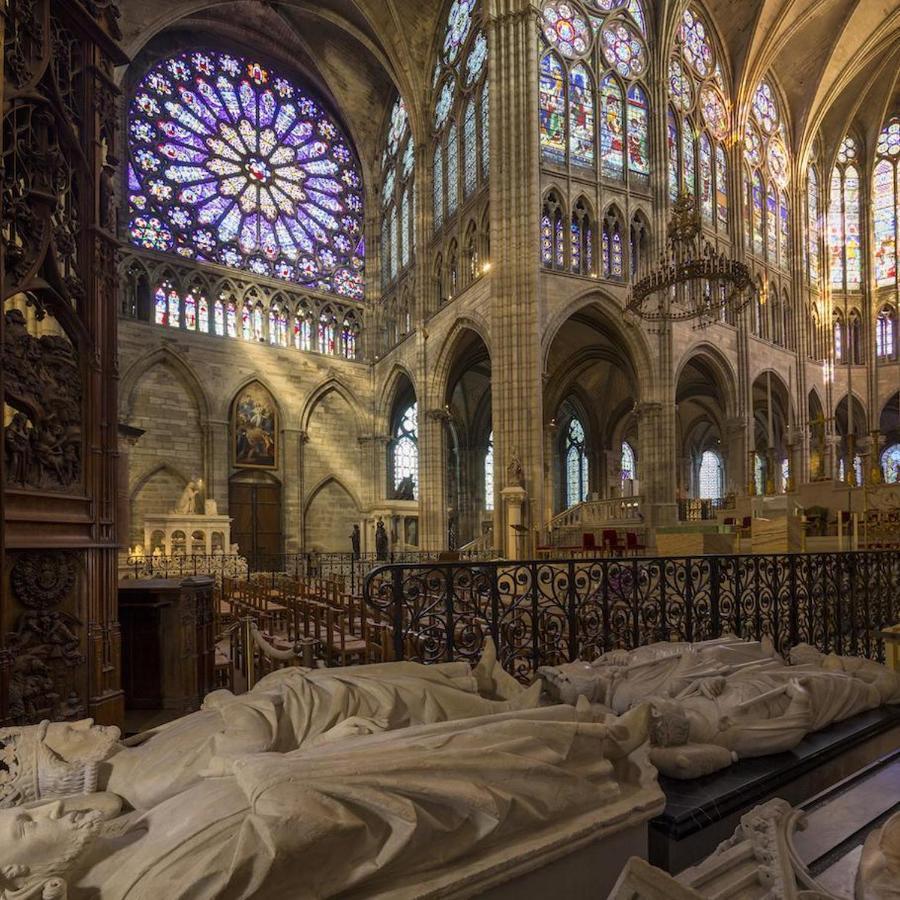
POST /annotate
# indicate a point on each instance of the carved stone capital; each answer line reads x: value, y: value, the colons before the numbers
x: 438, y: 414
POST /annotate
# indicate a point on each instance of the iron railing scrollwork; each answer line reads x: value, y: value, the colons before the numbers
x: 544, y: 612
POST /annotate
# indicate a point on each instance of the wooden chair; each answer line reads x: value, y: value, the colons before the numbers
x: 611, y: 542
x: 632, y: 545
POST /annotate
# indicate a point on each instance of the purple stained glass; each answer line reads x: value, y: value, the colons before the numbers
x: 397, y: 128
x: 680, y: 88
x: 714, y: 112
x: 234, y: 164
x: 778, y: 160
x: 566, y: 29
x: 764, y: 110
x: 476, y: 58
x: 695, y: 44
x: 624, y: 49
x: 889, y: 139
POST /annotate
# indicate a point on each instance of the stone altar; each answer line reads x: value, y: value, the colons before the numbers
x: 177, y: 534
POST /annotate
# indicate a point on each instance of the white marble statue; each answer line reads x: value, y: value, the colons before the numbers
x: 402, y: 812
x: 187, y: 503
x: 717, y: 701
x: 878, y: 876
x: 288, y: 709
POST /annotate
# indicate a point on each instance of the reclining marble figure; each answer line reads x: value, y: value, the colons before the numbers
x: 717, y: 701
x: 401, y: 813
x: 287, y: 709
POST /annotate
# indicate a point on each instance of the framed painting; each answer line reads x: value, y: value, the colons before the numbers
x: 254, y: 425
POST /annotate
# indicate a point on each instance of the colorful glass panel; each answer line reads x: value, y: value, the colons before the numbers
x: 623, y: 49
x: 397, y: 127
x: 615, y: 258
x: 231, y: 320
x: 847, y: 150
x: 680, y: 88
x: 612, y: 148
x: 161, y: 305
x: 714, y: 112
x: 576, y: 464
x: 190, y: 312
x: 706, y: 179
x: 566, y: 29
x: 452, y: 170
x: 778, y: 161
x: 552, y: 109
x: 174, y: 309
x: 721, y: 189
x: 581, y: 117
x: 638, y: 133
x: 438, y: 168
x: 559, y: 249
x: 637, y: 13
x: 784, y: 256
x: 485, y: 130
x: 695, y: 44
x: 234, y: 164
x: 575, y: 246
x: 812, y: 225
x: 219, y: 318
x: 753, y: 145
x: 404, y: 229
x: 444, y: 103
x: 836, y: 231
x: 470, y: 150
x: 757, y: 213
x: 489, y: 474
x: 771, y: 225
x: 672, y: 153
x: 851, y: 227
x: 890, y: 464
x: 627, y: 466
x: 476, y: 59
x: 884, y: 334
x: 459, y: 21
x: 709, y: 476
x: 764, y: 109
x: 889, y: 139
x: 546, y: 241
x: 203, y: 315
x: 885, y: 222
x: 406, y: 449
x: 688, y: 162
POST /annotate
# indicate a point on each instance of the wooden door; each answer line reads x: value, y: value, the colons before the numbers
x: 255, y: 509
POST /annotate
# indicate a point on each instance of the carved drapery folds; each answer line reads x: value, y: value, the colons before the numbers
x: 58, y: 634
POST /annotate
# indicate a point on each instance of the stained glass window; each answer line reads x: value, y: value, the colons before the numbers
x: 485, y: 130
x: 706, y: 179
x: 696, y: 46
x: 219, y: 318
x: 566, y: 29
x: 348, y: 338
x: 405, y: 449
x: 884, y: 333
x: 771, y: 224
x: 576, y: 464
x: 628, y: 468
x: 764, y: 110
x: 638, y: 133
x: 489, y: 474
x: 476, y: 59
x: 757, y: 213
x: 784, y: 228
x: 404, y: 228
x: 546, y: 240
x: 438, y: 186
x: 714, y: 113
x: 174, y: 309
x: 890, y: 464
x: 836, y: 230
x: 885, y: 222
x: 615, y: 266
x: 398, y: 163
x: 327, y: 329
x: 559, y: 252
x: 231, y: 320
x: 813, y: 234
x: 552, y: 109
x: 612, y: 150
x: 680, y: 86
x: 303, y: 332
x: 721, y: 188
x: 672, y: 148
x: 575, y: 249
x: 709, y: 476
x: 203, y: 314
x: 219, y: 148
x: 161, y: 305
x: 190, y: 312
x: 623, y: 49
x: 581, y: 117
x: 470, y: 150
x: 246, y: 324
x: 452, y: 169
x: 689, y: 173
x: 444, y: 104
x: 851, y: 226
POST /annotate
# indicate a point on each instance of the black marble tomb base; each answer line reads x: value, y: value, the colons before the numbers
x: 701, y: 813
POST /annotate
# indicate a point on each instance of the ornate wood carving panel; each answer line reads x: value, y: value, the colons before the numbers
x: 59, y: 636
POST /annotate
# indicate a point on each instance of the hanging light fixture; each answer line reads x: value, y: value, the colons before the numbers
x: 692, y: 280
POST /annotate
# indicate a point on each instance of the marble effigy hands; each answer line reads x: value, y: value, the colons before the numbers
x: 403, y: 813
x: 717, y: 701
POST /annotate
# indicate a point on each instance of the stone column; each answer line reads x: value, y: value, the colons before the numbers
x: 736, y: 477
x: 293, y: 511
x: 658, y: 466
x: 433, y: 478
x: 517, y: 398
x: 128, y: 437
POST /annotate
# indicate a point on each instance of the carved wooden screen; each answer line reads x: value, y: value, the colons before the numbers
x: 59, y: 644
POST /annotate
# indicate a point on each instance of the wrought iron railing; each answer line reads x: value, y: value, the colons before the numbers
x: 547, y: 612
x: 351, y: 568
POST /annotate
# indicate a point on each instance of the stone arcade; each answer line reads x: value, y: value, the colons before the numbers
x: 450, y: 449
